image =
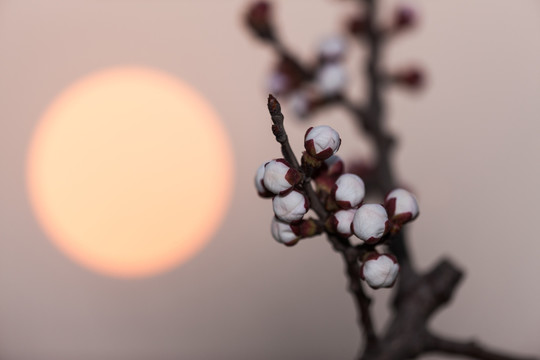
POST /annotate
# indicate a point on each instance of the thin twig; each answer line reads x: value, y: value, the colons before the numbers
x: 362, y: 301
x: 350, y: 254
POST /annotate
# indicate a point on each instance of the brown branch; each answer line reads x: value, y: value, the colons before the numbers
x: 471, y: 349
x: 350, y: 254
x: 279, y: 131
x: 418, y: 296
x: 362, y: 301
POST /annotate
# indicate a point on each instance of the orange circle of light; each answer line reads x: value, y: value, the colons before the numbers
x: 130, y: 172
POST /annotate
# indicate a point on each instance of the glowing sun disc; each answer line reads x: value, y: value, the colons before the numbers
x: 129, y: 172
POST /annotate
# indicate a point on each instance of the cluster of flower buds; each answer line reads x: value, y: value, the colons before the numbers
x: 342, y: 194
x: 310, y: 88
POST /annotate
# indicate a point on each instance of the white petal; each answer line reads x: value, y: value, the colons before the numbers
x: 351, y: 188
x: 380, y: 272
x: 274, y: 177
x: 277, y: 83
x: 258, y: 179
x: 331, y: 79
x: 345, y: 218
x: 290, y: 207
x: 370, y: 221
x: 332, y: 47
x: 324, y: 137
x: 300, y: 103
x: 282, y: 231
x: 405, y: 202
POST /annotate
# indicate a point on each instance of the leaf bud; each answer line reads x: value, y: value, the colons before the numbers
x: 259, y: 19
x: 357, y: 25
x: 404, y: 17
x: 412, y: 78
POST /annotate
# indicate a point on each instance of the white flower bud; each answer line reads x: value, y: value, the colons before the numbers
x: 321, y: 142
x: 333, y: 48
x: 349, y: 191
x: 279, y: 177
x: 331, y: 79
x: 370, y: 223
x: 278, y: 83
x: 259, y: 184
x: 283, y: 232
x: 300, y: 103
x: 290, y: 207
x: 401, y: 206
x: 380, y: 270
x: 341, y: 221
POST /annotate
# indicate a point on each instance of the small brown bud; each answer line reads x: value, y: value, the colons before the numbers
x: 306, y: 228
x: 412, y: 78
x: 404, y: 17
x: 259, y: 20
x: 357, y: 25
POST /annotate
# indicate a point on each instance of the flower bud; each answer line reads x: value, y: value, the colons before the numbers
x: 370, y: 223
x: 349, y: 191
x: 279, y: 177
x: 290, y: 207
x: 357, y: 25
x: 334, y: 166
x: 321, y: 142
x: 278, y: 83
x: 300, y: 103
x: 331, y: 79
x: 380, y: 270
x: 325, y: 177
x: 404, y: 17
x: 341, y: 222
x: 283, y: 232
x: 401, y: 206
x: 259, y: 19
x: 332, y: 48
x: 259, y: 184
x: 411, y: 78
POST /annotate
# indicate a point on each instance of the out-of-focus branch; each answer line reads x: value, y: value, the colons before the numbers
x: 470, y: 349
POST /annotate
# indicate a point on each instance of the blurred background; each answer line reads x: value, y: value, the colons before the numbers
x: 467, y: 146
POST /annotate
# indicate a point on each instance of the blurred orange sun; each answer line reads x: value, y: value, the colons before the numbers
x: 130, y: 172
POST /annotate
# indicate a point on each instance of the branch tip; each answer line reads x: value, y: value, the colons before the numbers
x: 273, y: 105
